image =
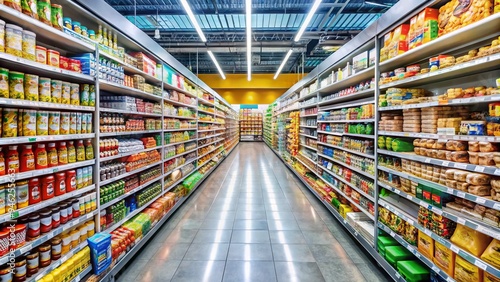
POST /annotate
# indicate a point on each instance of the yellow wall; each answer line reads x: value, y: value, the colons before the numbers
x: 262, y: 89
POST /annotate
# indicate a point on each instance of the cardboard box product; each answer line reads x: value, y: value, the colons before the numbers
x: 399, y: 42
x: 360, y: 61
x: 457, y: 13
x: 423, y: 27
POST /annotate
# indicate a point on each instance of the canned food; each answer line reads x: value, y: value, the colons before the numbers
x: 65, y: 123
x: 84, y: 95
x: 42, y: 123
x: 44, y: 89
x: 53, y: 58
x: 44, y: 11
x: 29, y: 45
x: 29, y: 8
x: 75, y: 65
x: 41, y: 54
x: 16, y: 85
x: 72, y: 123
x: 55, y: 91
x: 78, y: 123
x: 4, y: 83
x: 56, y: 17
x: 31, y: 87
x: 29, y: 122
x: 2, y: 36
x: 54, y: 123
x: 14, y: 40
x: 66, y: 93
x: 9, y: 122
x: 92, y: 96
x: 75, y: 94
x: 64, y: 63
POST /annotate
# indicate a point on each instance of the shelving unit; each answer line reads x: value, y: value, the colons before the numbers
x: 354, y: 166
x: 163, y: 115
x: 251, y: 125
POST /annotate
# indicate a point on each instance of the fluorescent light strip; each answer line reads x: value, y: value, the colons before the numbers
x: 216, y: 64
x: 283, y: 63
x: 307, y: 20
x: 248, y: 5
x: 193, y: 20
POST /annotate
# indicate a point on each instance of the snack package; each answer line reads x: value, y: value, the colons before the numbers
x: 100, y: 252
x: 425, y: 244
x: 492, y: 254
x: 470, y: 240
x: 456, y: 14
x: 466, y: 271
x: 444, y: 258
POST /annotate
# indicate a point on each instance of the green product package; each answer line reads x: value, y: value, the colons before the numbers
x: 402, y: 145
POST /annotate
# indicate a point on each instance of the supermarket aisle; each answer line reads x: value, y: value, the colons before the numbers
x: 252, y: 220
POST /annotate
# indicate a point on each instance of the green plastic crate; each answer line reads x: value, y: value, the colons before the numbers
x: 413, y: 271
x: 383, y: 242
x: 393, y: 254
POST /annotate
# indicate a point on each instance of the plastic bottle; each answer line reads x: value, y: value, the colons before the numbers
x: 62, y: 153
x: 2, y: 163
x: 12, y: 160
x: 41, y: 157
x: 89, y: 150
x: 71, y: 152
x: 27, y: 159
x: 80, y: 151
x: 52, y: 155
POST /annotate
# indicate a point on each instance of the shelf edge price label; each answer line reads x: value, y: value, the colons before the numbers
x: 461, y: 220
x: 449, y: 279
x: 435, y: 269
x: 496, y: 206
x: 449, y: 190
x: 26, y: 249
x: 445, y: 163
x: 428, y: 232
x: 393, y: 234
x: 497, y: 171
x: 480, y: 200
x: 479, y: 169
x: 480, y: 264
x: 454, y: 249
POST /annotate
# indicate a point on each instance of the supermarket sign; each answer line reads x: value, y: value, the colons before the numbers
x: 249, y: 106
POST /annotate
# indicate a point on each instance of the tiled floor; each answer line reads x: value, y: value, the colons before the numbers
x: 252, y: 220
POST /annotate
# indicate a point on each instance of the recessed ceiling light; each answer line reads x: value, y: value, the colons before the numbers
x: 193, y: 20
x: 307, y: 20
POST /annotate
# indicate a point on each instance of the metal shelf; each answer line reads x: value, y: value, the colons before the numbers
x: 309, y: 126
x: 366, y: 74
x: 175, y: 88
x: 310, y: 95
x: 179, y: 167
x: 180, y: 117
x: 441, y: 136
x: 131, y: 69
x: 461, y: 194
x: 181, y: 154
x: 179, y: 129
x: 367, y: 174
x: 205, y: 102
x: 201, y: 156
x: 108, y: 110
x: 45, y: 33
x: 309, y: 115
x: 467, y: 256
x: 453, y: 102
x: 349, y: 104
x: 465, y: 166
x: 129, y: 193
x: 16, y: 63
x: 306, y: 165
x: 46, y: 138
x: 181, y: 142
x: 348, y: 134
x: 459, y: 70
x: 347, y: 121
x: 307, y: 146
x: 349, y: 97
x: 347, y: 183
x: 125, y: 90
x: 308, y: 136
x: 45, y: 171
x: 177, y: 103
x: 43, y: 105
x: 118, y: 177
x: 125, y: 133
x: 348, y: 150
x: 205, y: 112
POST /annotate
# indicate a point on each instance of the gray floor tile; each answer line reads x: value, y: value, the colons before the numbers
x: 217, y: 224
x: 199, y: 271
x: 207, y: 251
x: 372, y: 272
x: 341, y: 272
x: 329, y: 253
x: 249, y: 271
x: 250, y: 252
x: 298, y: 271
x: 190, y: 224
x: 181, y: 236
x: 287, y: 237
x: 287, y: 224
x: 292, y: 252
x: 158, y: 270
x: 131, y: 271
x: 251, y: 207
x: 171, y: 251
x: 220, y: 215
x: 318, y: 237
x: 280, y: 215
x: 250, y: 236
x: 250, y: 224
x: 213, y: 236
x: 246, y: 214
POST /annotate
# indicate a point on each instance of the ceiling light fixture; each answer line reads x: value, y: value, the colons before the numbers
x: 283, y: 63
x: 157, y: 34
x: 216, y: 64
x: 377, y: 4
x: 157, y: 30
x: 248, y: 5
x: 307, y: 20
x: 193, y: 20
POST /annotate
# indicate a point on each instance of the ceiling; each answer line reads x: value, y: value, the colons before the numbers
x: 274, y: 26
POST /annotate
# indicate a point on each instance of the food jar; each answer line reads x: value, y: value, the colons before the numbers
x: 4, y: 241
x: 29, y: 45
x: 56, y: 17
x: 44, y: 11
x: 29, y: 122
x: 85, y: 32
x: 4, y: 83
x: 44, y: 89
x: 14, y: 40
x: 2, y: 36
x: 67, y: 22
x: 66, y: 243
x: 64, y: 213
x: 34, y: 227
x: 9, y: 122
x: 90, y: 228
x: 91, y: 34
x: 53, y: 58
x: 35, y: 195
x: 60, y: 184
x: 55, y: 91
x: 77, y: 27
x: 45, y: 221
x: 44, y: 251
x: 31, y: 87
x: 21, y: 269
x: 83, y: 233
x: 42, y: 123
x: 75, y: 204
x: 56, y: 217
x: 66, y: 93
x: 81, y: 203
x: 48, y: 187
x: 75, y: 94
x: 20, y: 233
x: 65, y: 123
x: 84, y: 95
x: 75, y: 238
x: 22, y: 194
x: 16, y: 85
x: 70, y: 180
x: 6, y: 273
x: 41, y: 54
x: 54, y: 123
x: 32, y: 260
x: 69, y: 210
x: 56, y: 244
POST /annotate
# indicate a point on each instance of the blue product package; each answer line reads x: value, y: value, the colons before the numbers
x: 100, y: 252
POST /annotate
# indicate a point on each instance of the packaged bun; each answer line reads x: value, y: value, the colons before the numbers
x: 454, y: 145
x: 487, y: 147
x: 462, y: 157
x: 441, y: 154
x: 451, y: 184
x: 486, y: 159
x: 473, y: 146
x: 480, y: 190
x: 474, y: 158
x: 460, y: 175
x: 462, y: 186
x: 478, y: 179
x: 440, y: 145
x: 450, y: 173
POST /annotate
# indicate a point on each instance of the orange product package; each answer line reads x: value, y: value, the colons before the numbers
x: 399, y: 43
x: 423, y: 28
x: 457, y: 14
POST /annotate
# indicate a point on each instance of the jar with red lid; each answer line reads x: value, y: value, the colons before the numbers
x: 27, y: 162
x: 20, y: 232
x: 70, y: 180
x: 45, y: 221
x: 35, y: 196
x: 56, y: 217
x: 64, y: 213
x: 33, y: 227
x: 76, y: 208
x: 52, y: 157
x: 48, y: 187
x: 60, y: 184
x: 4, y: 241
